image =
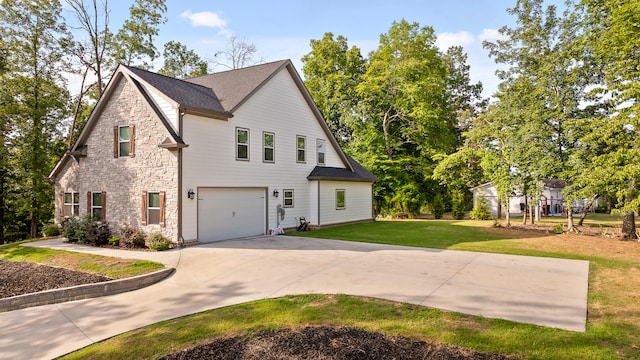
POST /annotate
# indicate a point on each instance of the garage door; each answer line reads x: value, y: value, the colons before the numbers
x: 229, y: 213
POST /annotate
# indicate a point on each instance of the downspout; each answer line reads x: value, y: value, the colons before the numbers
x: 180, y: 194
x: 318, y: 203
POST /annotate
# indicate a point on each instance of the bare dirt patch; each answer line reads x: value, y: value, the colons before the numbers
x: 326, y: 342
x: 18, y: 278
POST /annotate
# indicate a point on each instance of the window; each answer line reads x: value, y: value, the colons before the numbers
x: 242, y: 144
x: 340, y: 199
x: 71, y: 204
x: 268, y: 145
x: 123, y: 141
x: 320, y: 144
x: 97, y: 204
x: 301, y: 146
x: 288, y: 198
x: 153, y: 208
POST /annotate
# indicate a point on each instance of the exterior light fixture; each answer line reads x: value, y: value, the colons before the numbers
x: 190, y: 194
x: 276, y: 193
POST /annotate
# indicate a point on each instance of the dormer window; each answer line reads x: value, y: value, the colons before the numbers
x: 123, y: 141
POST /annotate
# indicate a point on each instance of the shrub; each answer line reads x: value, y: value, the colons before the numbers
x: 132, y: 237
x: 97, y: 233
x: 156, y: 241
x: 438, y: 206
x: 558, y: 229
x: 51, y: 230
x: 481, y: 211
x: 74, y: 230
x: 457, y: 210
x: 114, y: 241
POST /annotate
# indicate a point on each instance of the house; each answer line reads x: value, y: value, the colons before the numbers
x: 551, y: 200
x: 221, y: 156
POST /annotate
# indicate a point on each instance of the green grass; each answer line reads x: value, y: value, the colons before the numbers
x: 613, y: 324
x: 115, y: 268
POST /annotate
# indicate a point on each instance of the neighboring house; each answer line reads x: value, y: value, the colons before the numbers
x: 227, y: 155
x: 551, y: 199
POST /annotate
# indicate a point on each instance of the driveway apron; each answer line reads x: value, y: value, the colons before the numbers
x: 542, y: 291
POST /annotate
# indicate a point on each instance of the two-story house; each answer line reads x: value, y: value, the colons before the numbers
x: 221, y: 156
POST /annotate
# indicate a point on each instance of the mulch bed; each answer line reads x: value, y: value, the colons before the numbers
x: 326, y: 342
x: 18, y: 278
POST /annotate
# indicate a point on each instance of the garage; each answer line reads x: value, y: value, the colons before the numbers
x: 230, y: 213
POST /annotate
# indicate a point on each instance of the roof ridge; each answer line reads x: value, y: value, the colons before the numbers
x: 239, y: 69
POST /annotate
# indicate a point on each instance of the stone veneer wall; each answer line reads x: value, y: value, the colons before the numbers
x: 124, y: 179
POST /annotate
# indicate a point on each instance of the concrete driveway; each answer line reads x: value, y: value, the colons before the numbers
x: 542, y: 291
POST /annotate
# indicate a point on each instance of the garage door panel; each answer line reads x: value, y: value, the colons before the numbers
x: 230, y: 213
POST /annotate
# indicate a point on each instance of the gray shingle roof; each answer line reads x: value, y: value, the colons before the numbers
x: 234, y: 86
x: 332, y: 173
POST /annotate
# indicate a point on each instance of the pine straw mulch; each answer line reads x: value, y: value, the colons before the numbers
x: 325, y: 343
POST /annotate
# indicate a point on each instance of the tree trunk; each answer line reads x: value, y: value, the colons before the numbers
x: 508, y: 215
x: 524, y: 213
x: 570, y: 226
x: 629, y: 226
x: 2, y: 176
x: 531, y: 212
x: 586, y: 208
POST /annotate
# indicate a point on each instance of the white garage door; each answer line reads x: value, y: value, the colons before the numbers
x: 229, y: 213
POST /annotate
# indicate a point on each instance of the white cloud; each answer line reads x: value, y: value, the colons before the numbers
x: 446, y: 40
x: 206, y: 19
x: 490, y: 35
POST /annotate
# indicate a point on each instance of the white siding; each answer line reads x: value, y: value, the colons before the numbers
x: 358, y: 205
x: 209, y: 161
x: 166, y: 107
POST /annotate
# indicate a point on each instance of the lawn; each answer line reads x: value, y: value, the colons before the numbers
x: 115, y: 268
x: 613, y: 324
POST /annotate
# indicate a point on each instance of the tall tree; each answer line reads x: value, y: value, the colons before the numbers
x: 181, y: 62
x: 133, y: 44
x: 332, y: 72
x: 613, y: 28
x: 239, y: 54
x: 33, y: 33
x: 92, y: 20
x: 5, y: 130
x: 542, y: 89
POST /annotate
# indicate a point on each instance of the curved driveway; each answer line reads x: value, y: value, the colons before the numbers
x: 542, y: 291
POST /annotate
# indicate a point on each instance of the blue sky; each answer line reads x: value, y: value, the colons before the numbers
x: 283, y: 29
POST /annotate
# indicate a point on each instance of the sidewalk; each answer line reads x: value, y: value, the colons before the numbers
x: 542, y: 291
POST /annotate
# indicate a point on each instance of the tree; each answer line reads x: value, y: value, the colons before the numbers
x: 180, y: 62
x: 615, y: 135
x: 332, y: 72
x: 34, y: 35
x: 239, y: 54
x: 133, y: 44
x: 93, y: 21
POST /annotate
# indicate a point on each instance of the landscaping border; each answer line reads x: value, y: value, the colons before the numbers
x: 85, y: 291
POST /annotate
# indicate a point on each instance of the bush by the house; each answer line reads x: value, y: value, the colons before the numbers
x: 97, y: 233
x: 51, y: 230
x: 156, y: 241
x: 74, y: 230
x: 114, y: 241
x: 481, y: 211
x: 132, y: 237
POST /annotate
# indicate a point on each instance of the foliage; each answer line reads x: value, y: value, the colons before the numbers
x: 181, y: 62
x: 458, y: 209
x: 74, y: 229
x: 481, y: 210
x: 558, y: 229
x: 114, y: 241
x: 132, y: 237
x: 51, y: 230
x: 437, y: 208
x: 157, y: 241
x: 97, y: 233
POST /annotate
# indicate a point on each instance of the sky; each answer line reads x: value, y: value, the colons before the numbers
x: 282, y: 29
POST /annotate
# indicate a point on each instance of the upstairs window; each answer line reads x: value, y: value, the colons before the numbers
x: 71, y: 204
x: 268, y: 143
x: 321, y: 145
x: 242, y: 144
x: 301, y: 156
x: 123, y: 141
